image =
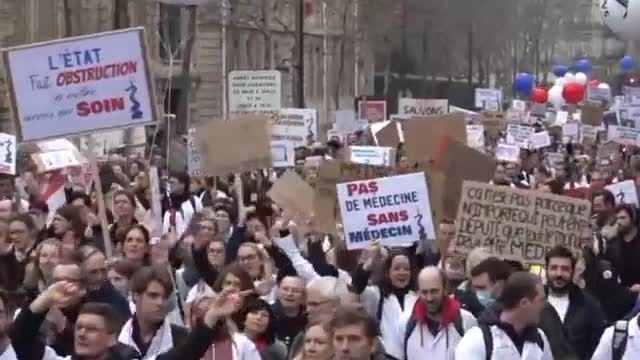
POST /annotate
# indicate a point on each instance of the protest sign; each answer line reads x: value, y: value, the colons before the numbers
x: 555, y: 158
x: 588, y: 134
x: 300, y: 126
x: 388, y: 135
x: 395, y: 211
x: 8, y: 154
x: 251, y: 91
x: 345, y: 122
x: 561, y: 118
x: 540, y: 140
x: 423, y: 134
x: 156, y: 205
x: 372, y: 155
x: 519, y: 135
x: 55, y: 160
x: 519, y: 105
x: 623, y: 135
x: 631, y: 94
x: 423, y: 107
x: 597, y: 95
x: 216, y: 138
x: 282, y: 154
x: 475, y: 136
x: 488, y: 99
x: 508, y: 153
x: 494, y: 123
x: 518, y: 224
x: 372, y: 110
x: 625, y: 192
x: 591, y: 115
x: 80, y: 85
x: 293, y: 194
x: 570, y: 132
x: 193, y: 156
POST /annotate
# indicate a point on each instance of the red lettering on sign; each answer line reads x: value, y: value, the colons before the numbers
x: 387, y: 217
x: 362, y: 188
x: 86, y: 108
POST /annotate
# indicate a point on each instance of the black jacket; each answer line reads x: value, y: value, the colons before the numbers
x: 579, y: 334
x: 108, y: 294
x: 287, y: 328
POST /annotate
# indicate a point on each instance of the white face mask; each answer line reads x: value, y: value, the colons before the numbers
x: 484, y: 297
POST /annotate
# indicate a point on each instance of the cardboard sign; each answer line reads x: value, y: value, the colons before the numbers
x: 423, y: 134
x: 423, y: 107
x: 508, y: 153
x: 589, y: 134
x: 395, y: 211
x: 293, y: 194
x: 519, y: 135
x: 389, y: 135
x: 372, y: 155
x: 372, y: 110
x: 518, y: 224
x: 299, y: 126
x: 8, y: 154
x: 224, y: 151
x: 282, y: 154
x: 251, y: 91
x: 475, y: 136
x: 194, y: 166
x: 488, y: 99
x: 625, y: 192
x: 540, y: 140
x: 591, y: 115
x: 623, y: 135
x: 80, y: 85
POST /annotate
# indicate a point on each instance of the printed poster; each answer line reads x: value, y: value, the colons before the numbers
x: 423, y: 107
x: 299, y: 126
x: 372, y: 155
x: 372, y: 110
x: 488, y: 99
x: 625, y: 192
x: 8, y: 154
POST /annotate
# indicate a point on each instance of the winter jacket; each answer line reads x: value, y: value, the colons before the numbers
x: 604, y: 349
x: 108, y: 294
x: 287, y: 328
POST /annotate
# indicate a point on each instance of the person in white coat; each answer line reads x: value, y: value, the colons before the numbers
x: 511, y: 332
x: 620, y: 341
x: 435, y: 325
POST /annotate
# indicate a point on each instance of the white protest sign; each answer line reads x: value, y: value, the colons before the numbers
x: 488, y: 99
x: 282, y: 153
x: 193, y: 156
x: 561, y: 118
x: 519, y: 135
x: 519, y: 105
x: 79, y: 85
x: 624, y: 192
x: 629, y: 115
x: 508, y: 153
x: 540, y: 140
x: 300, y: 126
x: 156, y: 206
x: 54, y: 160
x: 345, y: 122
x: 555, y: 158
x: 623, y: 135
x: 589, y: 133
x: 598, y: 95
x: 251, y: 91
x: 475, y: 136
x: 8, y: 154
x: 393, y: 210
x: 372, y: 155
x: 631, y: 94
x: 570, y: 132
x: 423, y: 107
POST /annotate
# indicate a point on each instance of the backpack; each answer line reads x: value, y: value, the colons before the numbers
x: 411, y: 324
x: 487, y: 337
x: 619, y: 340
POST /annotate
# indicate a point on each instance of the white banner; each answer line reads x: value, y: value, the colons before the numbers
x: 80, y: 85
x: 300, y: 126
x: 251, y: 91
x: 423, y: 107
x: 393, y: 210
x: 372, y: 155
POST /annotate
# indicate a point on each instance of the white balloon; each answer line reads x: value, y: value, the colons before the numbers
x: 559, y: 82
x: 569, y: 77
x: 581, y: 78
x: 555, y: 96
x: 604, y: 86
x: 623, y: 20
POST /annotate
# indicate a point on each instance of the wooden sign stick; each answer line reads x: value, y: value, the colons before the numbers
x: 102, y: 212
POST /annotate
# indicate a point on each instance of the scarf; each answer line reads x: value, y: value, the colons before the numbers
x: 162, y: 340
x: 450, y: 309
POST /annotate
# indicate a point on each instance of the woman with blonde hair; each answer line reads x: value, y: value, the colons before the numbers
x: 48, y: 255
x: 317, y: 342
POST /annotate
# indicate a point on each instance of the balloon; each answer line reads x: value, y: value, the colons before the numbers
x: 604, y: 86
x: 555, y: 96
x: 523, y: 83
x: 559, y: 82
x: 569, y: 77
x: 627, y: 63
x: 560, y: 70
x: 623, y: 20
x: 593, y: 83
x: 539, y: 95
x: 582, y: 66
x: 573, y: 93
x: 581, y: 78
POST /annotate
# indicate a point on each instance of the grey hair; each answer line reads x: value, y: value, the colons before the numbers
x: 330, y: 287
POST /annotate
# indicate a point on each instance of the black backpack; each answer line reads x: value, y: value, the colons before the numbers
x: 411, y: 324
x: 487, y: 337
x: 619, y: 340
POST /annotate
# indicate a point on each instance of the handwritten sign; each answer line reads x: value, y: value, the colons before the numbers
x: 518, y: 224
x: 540, y: 140
x: 423, y: 107
x: 488, y: 99
x: 58, y: 159
x: 300, y: 126
x: 80, y: 85
x: 519, y: 135
x: 570, y: 132
x: 8, y: 154
x: 345, y: 122
x: 282, y: 154
x: 623, y: 135
x: 292, y: 193
x: 394, y: 211
x: 625, y: 192
x: 193, y: 156
x: 475, y: 136
x: 251, y: 91
x: 372, y: 155
x: 508, y: 153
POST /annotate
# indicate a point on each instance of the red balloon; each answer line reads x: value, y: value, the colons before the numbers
x: 573, y: 93
x: 594, y: 83
x: 539, y: 95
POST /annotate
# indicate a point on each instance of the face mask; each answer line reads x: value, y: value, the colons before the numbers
x: 484, y: 297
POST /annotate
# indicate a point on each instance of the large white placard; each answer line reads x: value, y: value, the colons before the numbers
x: 372, y: 155
x: 300, y: 126
x: 508, y: 153
x: 475, y: 136
x: 393, y: 210
x: 282, y: 154
x: 519, y: 135
x: 423, y: 107
x: 251, y: 91
x: 540, y: 140
x: 624, y: 192
x: 8, y: 154
x: 488, y: 99
x: 80, y: 85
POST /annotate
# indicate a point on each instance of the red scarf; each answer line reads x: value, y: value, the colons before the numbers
x: 450, y: 309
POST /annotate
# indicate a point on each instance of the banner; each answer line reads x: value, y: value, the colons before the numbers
x: 79, y: 85
x: 372, y: 155
x: 423, y: 107
x: 299, y: 126
x: 518, y: 224
x: 394, y: 210
x: 251, y: 91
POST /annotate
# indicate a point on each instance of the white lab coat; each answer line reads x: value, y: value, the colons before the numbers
x: 8, y: 354
x: 471, y: 347
x: 632, y: 351
x: 183, y: 218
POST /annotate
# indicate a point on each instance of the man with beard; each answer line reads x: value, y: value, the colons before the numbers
x: 572, y: 320
x: 179, y: 204
x: 436, y: 324
x: 602, y: 204
x: 624, y: 249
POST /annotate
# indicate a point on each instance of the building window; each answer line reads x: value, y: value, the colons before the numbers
x: 171, y: 30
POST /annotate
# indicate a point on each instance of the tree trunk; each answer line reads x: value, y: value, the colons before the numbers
x: 182, y: 119
x: 266, y: 33
x: 68, y: 26
x: 343, y: 44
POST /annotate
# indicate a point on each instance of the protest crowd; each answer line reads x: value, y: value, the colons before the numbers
x: 508, y: 233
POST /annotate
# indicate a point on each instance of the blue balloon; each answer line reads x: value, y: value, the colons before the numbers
x: 627, y: 63
x: 560, y: 70
x: 583, y: 66
x: 524, y: 83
